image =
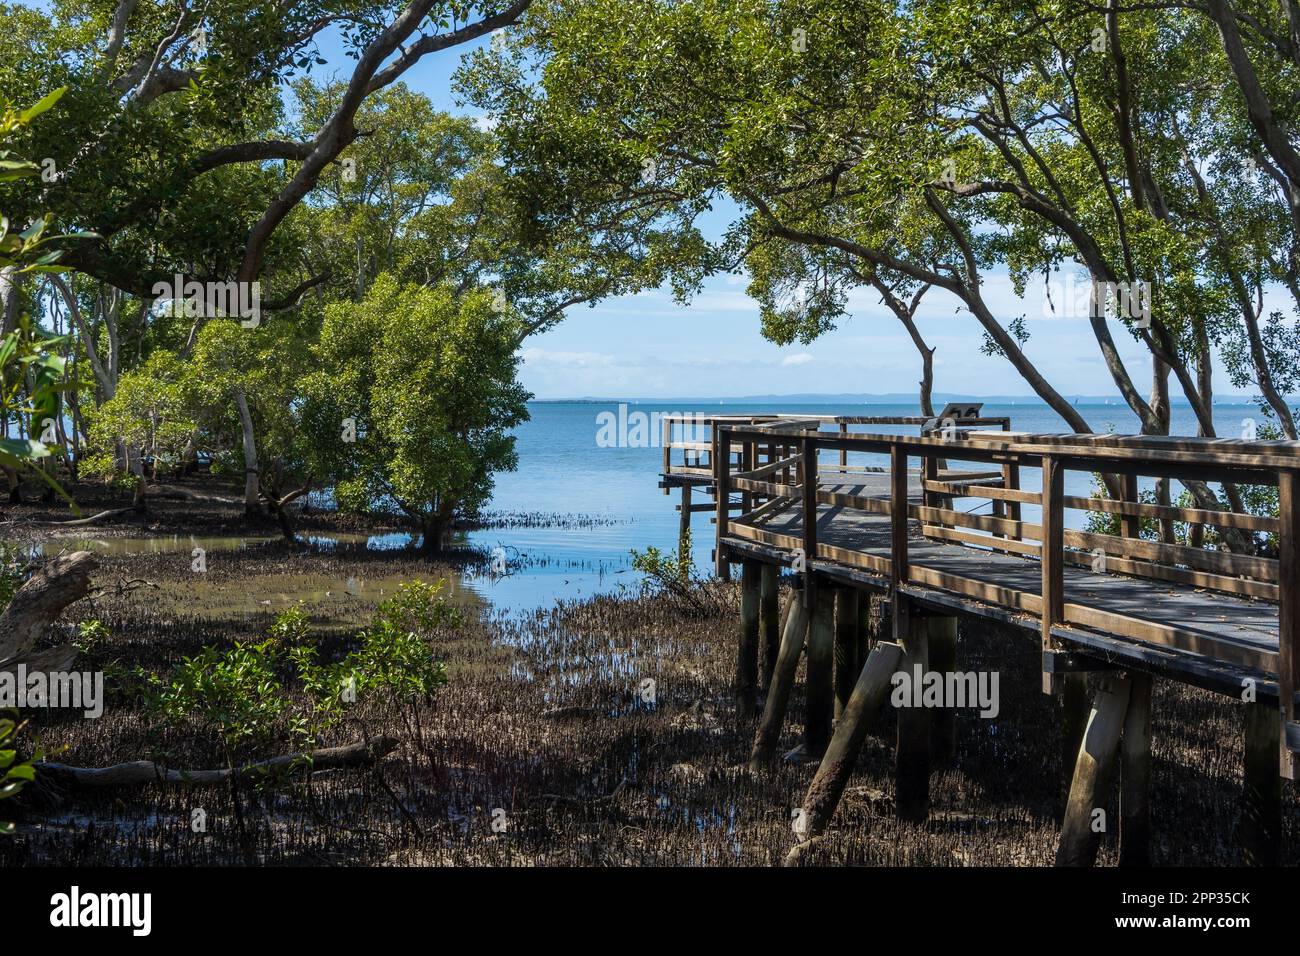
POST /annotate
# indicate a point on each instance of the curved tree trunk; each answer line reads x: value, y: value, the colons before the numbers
x: 139, y: 773
x: 252, y: 496
x: 37, y: 605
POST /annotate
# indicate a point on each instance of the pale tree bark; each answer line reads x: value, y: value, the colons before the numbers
x: 252, y: 496
x: 37, y: 605
x: 141, y: 773
x: 1258, y: 108
x: 905, y: 312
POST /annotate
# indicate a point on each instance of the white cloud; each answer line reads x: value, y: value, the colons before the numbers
x: 536, y: 356
x: 800, y: 358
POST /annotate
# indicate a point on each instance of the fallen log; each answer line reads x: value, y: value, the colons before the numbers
x: 38, y: 604
x: 139, y: 773
x: 80, y: 522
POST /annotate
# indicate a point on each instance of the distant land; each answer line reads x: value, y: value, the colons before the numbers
x: 886, y: 398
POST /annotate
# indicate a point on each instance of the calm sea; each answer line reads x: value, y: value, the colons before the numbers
x: 605, y: 501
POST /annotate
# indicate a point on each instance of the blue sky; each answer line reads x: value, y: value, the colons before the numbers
x: 647, y: 346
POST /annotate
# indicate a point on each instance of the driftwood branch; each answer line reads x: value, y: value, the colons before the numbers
x: 39, y: 603
x: 79, y: 522
x: 139, y: 773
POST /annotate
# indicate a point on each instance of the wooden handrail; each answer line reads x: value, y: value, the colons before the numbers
x: 769, y: 454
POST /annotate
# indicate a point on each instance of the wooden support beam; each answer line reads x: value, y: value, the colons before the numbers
x: 1085, y: 813
x: 1072, y: 662
x: 666, y: 439
x: 1074, y: 721
x: 1259, y: 829
x: 1135, y: 775
x: 747, y: 465
x: 869, y: 610
x: 684, y: 523
x: 809, y: 482
x: 942, y: 639
x: 1011, y: 482
x: 1130, y: 525
x: 778, y: 694
x: 930, y: 474
x: 721, y: 454
x: 820, y: 698
x: 897, y: 517
x: 912, y: 756
x: 1288, y: 625
x: 1053, y: 544
x: 869, y: 695
x: 746, y: 686
x: 769, y: 623
x: 847, y: 663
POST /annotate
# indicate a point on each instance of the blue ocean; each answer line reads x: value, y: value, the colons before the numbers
x: 604, y: 501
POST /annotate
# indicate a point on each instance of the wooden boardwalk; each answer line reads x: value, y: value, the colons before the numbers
x: 1145, y: 590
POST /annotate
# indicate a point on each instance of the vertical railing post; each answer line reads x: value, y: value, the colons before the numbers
x: 1130, y: 526
x: 810, y: 497
x: 897, y: 518
x: 1288, y: 623
x: 844, y: 452
x: 1011, y: 480
x: 721, y: 454
x: 1052, y: 555
x: 668, y: 449
x: 747, y: 454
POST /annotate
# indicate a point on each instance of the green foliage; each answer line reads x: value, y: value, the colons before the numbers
x: 420, y: 607
x: 32, y: 249
x: 14, y: 773
x: 91, y: 635
x: 291, y: 627
x: 153, y: 410
x: 235, y: 694
x: 930, y: 143
x: 673, y: 573
x: 29, y: 370
x: 11, y: 573
x: 428, y: 380
x: 673, y: 567
x: 390, y: 660
x: 247, y: 696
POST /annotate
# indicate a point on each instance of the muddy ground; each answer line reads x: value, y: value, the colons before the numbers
x: 543, y: 730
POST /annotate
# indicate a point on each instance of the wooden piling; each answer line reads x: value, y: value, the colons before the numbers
x: 1074, y: 720
x: 869, y: 695
x: 1093, y: 771
x: 868, y: 621
x: 1051, y: 558
x: 720, y: 458
x: 1288, y: 618
x: 1135, y: 775
x: 847, y: 663
x: 912, y: 756
x: 778, y: 695
x: 1260, y: 826
x: 942, y: 634
x: 769, y: 623
x: 747, y: 647
x: 684, y: 524
x: 820, y: 698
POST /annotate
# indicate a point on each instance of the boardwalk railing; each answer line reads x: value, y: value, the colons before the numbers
x: 693, y: 436
x: 887, y: 529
